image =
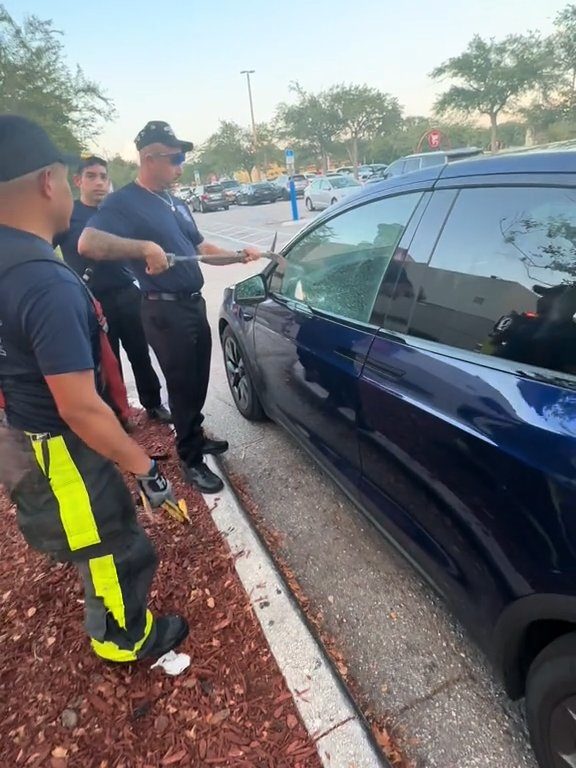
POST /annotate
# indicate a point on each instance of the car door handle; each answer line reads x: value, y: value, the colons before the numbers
x: 384, y: 370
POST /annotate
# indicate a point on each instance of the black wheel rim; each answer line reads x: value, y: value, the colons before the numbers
x: 563, y: 733
x: 237, y: 374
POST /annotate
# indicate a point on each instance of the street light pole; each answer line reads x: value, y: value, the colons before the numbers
x: 249, y: 72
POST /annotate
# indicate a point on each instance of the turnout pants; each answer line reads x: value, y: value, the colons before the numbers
x: 123, y: 311
x: 179, y: 334
x: 73, y: 504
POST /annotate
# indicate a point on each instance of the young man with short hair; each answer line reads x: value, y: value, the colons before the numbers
x: 112, y: 283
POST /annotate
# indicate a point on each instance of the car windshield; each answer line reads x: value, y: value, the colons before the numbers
x: 229, y: 184
x: 338, y: 182
x: 213, y: 188
x: 262, y: 185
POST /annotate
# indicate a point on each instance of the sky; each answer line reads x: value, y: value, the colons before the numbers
x: 180, y: 61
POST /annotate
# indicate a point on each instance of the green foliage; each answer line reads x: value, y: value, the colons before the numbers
x: 36, y: 82
x: 362, y: 113
x: 491, y: 76
x: 121, y: 171
x: 310, y: 125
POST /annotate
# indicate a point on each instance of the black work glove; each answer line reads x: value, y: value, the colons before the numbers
x: 155, y: 487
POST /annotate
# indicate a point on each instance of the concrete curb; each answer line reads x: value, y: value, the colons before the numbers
x: 326, y: 709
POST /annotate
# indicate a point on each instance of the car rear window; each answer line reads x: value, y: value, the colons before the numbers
x: 299, y: 177
x: 213, y: 188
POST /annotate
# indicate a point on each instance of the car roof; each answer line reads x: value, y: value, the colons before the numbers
x: 445, y: 153
x: 549, y: 159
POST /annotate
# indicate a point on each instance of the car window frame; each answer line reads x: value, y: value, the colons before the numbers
x: 458, y: 184
x: 423, y: 189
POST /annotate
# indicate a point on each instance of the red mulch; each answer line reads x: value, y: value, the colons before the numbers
x: 390, y: 740
x: 60, y: 707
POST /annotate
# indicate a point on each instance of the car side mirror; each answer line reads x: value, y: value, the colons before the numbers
x: 251, y: 291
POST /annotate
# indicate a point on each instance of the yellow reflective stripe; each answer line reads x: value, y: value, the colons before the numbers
x: 106, y: 585
x: 72, y: 496
x: 110, y: 651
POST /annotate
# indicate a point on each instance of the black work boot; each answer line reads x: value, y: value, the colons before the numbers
x: 201, y: 476
x: 170, y: 632
x: 160, y: 413
x: 214, y: 447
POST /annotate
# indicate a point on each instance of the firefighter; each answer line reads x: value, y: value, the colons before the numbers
x: 72, y: 502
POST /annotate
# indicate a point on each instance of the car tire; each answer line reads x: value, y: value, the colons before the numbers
x: 240, y: 383
x: 550, y: 701
x: 309, y: 204
x: 226, y: 207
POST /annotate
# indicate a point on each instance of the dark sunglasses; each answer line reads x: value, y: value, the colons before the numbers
x: 176, y: 158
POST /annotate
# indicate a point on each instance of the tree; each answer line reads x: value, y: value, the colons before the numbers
x: 36, y: 82
x: 121, y: 171
x: 362, y: 113
x: 310, y: 125
x: 491, y: 76
x: 267, y: 151
x: 228, y: 150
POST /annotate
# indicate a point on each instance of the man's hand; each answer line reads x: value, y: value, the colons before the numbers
x: 156, y: 259
x: 155, y: 487
x: 250, y: 254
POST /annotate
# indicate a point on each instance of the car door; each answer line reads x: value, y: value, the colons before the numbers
x: 313, y: 333
x: 324, y: 194
x: 467, y: 406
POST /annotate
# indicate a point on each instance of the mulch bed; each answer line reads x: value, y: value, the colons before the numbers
x: 60, y: 707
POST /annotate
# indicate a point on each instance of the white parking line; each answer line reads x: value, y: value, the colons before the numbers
x: 270, y: 235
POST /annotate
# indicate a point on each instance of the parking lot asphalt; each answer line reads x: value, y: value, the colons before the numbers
x: 410, y: 657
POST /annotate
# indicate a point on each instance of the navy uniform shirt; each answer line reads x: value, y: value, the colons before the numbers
x: 136, y: 213
x: 47, y: 327
x: 107, y: 276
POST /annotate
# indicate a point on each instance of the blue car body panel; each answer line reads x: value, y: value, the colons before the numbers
x: 468, y: 469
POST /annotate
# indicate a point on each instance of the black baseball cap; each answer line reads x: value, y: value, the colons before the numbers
x: 159, y: 132
x: 26, y: 147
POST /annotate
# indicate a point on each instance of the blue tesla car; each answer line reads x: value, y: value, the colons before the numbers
x: 419, y: 340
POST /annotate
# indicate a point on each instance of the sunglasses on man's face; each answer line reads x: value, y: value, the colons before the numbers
x: 175, y: 158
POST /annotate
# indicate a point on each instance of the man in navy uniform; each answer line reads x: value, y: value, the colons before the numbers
x: 113, y: 285
x: 72, y: 502
x: 145, y: 215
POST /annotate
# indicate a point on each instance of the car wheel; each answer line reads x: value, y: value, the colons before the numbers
x: 226, y: 207
x: 309, y: 204
x: 333, y: 201
x: 551, y: 702
x: 239, y: 380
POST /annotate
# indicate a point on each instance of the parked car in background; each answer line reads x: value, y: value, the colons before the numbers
x: 345, y: 170
x: 259, y: 192
x: 411, y: 163
x: 420, y: 342
x: 231, y: 188
x: 325, y: 191
x: 283, y: 182
x: 366, y: 172
x: 209, y: 197
x: 185, y: 193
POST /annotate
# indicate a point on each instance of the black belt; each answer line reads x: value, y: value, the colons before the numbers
x: 180, y: 296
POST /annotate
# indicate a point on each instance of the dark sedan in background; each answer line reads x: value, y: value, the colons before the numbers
x: 231, y: 188
x: 209, y: 197
x: 301, y: 181
x: 419, y: 340
x: 259, y: 192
